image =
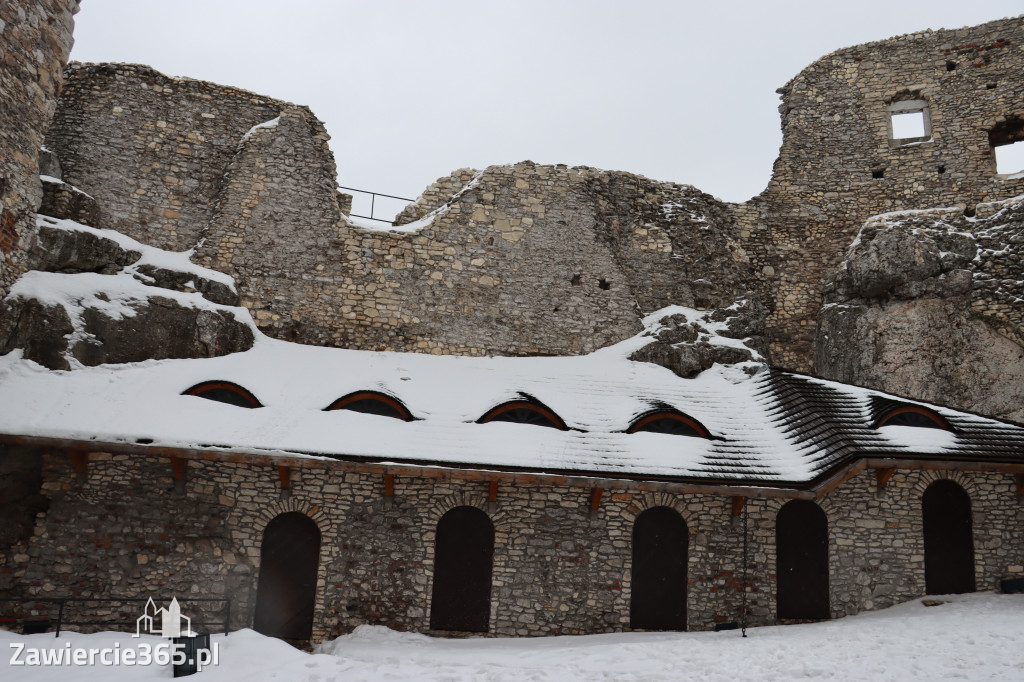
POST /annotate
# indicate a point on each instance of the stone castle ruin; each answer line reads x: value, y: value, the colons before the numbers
x: 879, y: 255
x: 528, y: 259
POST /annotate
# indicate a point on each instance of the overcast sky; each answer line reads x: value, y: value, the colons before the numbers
x: 411, y: 90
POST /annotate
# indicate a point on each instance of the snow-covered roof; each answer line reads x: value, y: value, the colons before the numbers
x: 773, y: 428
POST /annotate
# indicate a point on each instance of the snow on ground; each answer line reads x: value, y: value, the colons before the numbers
x: 970, y: 637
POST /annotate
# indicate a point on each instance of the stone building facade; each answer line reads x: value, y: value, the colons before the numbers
x: 561, y: 564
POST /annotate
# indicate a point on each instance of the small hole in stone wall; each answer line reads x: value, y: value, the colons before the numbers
x: 990, y: 86
x: 969, y: 211
x: 941, y: 170
x: 490, y: 241
x: 878, y: 174
x: 575, y: 280
x: 603, y: 284
x: 950, y: 66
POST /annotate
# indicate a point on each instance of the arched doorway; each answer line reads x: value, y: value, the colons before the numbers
x: 286, y: 595
x: 948, y: 539
x: 660, y: 551
x: 801, y: 545
x: 463, y: 552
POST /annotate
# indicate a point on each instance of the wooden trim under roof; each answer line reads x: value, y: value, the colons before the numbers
x: 442, y: 471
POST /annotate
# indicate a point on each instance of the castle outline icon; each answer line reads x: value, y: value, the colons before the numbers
x: 170, y: 620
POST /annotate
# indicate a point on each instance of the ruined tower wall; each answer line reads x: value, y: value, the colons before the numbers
x: 35, y: 40
x: 277, y: 215
x: 838, y: 164
x: 151, y: 149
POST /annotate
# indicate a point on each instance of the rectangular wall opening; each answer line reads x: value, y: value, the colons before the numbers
x: 909, y: 122
x: 910, y: 125
x: 1010, y: 158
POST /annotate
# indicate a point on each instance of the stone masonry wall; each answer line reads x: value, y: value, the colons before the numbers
x: 125, y: 528
x: 837, y: 165
x: 35, y: 40
x: 276, y: 218
x: 152, y: 150
x: 529, y: 259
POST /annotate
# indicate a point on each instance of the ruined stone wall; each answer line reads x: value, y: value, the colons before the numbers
x: 125, y: 528
x: 276, y: 217
x: 151, y: 150
x: 529, y: 259
x: 35, y: 40
x: 838, y: 166
x: 515, y: 260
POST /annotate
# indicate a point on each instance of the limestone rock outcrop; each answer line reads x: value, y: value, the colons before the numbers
x: 95, y: 297
x: 691, y: 341
x: 928, y: 304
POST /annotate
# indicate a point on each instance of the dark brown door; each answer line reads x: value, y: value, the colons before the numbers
x: 461, y: 598
x: 660, y: 548
x: 286, y: 595
x: 948, y: 539
x: 801, y: 544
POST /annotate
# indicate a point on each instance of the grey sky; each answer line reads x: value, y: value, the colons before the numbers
x: 679, y: 91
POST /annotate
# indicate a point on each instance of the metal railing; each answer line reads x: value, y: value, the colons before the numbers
x: 62, y: 602
x: 373, y: 203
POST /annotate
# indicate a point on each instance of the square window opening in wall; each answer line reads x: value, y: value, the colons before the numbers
x: 906, y: 126
x: 909, y: 122
x: 1010, y: 158
x: 1007, y: 141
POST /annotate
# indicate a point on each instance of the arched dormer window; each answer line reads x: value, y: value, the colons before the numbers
x: 672, y: 422
x: 524, y: 412
x: 372, y: 402
x: 913, y: 415
x: 224, y: 392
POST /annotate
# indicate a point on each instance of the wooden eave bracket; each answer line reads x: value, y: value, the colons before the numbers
x: 882, y: 476
x: 1020, y: 485
x: 178, y: 465
x: 492, y: 492
x: 389, y: 486
x: 80, y: 460
x: 285, y: 474
x: 738, y: 502
x: 595, y: 502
